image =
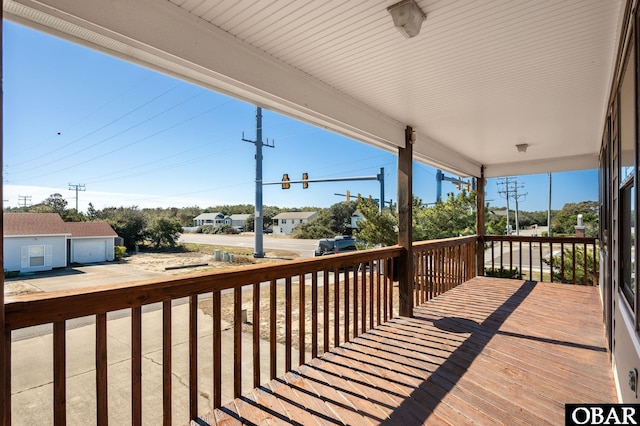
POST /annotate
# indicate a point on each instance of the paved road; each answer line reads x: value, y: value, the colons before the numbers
x: 305, y: 248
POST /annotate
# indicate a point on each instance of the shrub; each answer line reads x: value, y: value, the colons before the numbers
x: 567, y: 267
x: 119, y: 252
x: 503, y: 273
x: 11, y: 274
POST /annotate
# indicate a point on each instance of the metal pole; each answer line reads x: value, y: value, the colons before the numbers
x: 258, y: 222
x: 381, y: 179
x: 438, y: 185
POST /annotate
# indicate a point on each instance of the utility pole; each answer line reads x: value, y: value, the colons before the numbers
x: 517, y: 198
x: 258, y: 225
x: 23, y: 199
x: 77, y: 187
x: 505, y: 194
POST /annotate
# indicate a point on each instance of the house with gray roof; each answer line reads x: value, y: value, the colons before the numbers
x: 214, y: 219
x: 285, y: 223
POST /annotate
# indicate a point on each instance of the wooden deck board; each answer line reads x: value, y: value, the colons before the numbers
x: 490, y: 351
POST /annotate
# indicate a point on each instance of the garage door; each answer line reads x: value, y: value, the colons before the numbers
x: 89, y: 251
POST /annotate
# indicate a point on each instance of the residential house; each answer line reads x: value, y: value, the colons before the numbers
x: 285, y: 223
x: 238, y: 221
x: 214, y: 219
x: 355, y: 218
x: 43, y: 241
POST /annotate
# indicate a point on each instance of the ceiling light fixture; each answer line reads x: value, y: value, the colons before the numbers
x: 522, y: 148
x: 407, y: 17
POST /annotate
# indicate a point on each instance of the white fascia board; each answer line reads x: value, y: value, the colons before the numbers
x: 165, y: 37
x: 549, y: 165
x: 37, y: 235
x: 429, y: 151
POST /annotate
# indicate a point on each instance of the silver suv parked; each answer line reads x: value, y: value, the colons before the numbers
x: 340, y: 244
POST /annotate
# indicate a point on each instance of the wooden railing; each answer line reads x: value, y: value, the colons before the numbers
x: 327, y: 301
x: 550, y: 259
x: 338, y: 298
x: 442, y: 265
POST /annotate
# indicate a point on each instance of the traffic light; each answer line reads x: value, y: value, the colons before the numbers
x: 359, y: 197
x: 348, y: 195
x: 458, y: 186
x: 305, y: 177
x: 468, y: 187
x: 285, y: 181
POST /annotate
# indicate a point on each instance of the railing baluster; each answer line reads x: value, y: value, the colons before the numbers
x: 347, y: 299
x: 541, y: 262
x: 102, y: 413
x: 193, y: 356
x: 288, y: 337
x: 363, y: 297
x: 520, y: 257
x: 531, y: 260
x: 237, y: 342
x: 355, y: 301
x: 256, y: 335
x: 372, y: 295
x: 314, y: 315
x: 272, y: 329
x: 166, y: 363
x: 325, y: 307
x: 585, y: 281
x: 562, y: 276
x: 136, y: 366
x: 301, y: 319
x: 217, y: 348
x: 388, y: 272
x: 336, y: 307
x: 389, y: 280
x: 510, y: 258
x: 378, y: 272
x: 501, y: 256
x: 551, y: 260
x: 59, y: 374
x: 573, y: 266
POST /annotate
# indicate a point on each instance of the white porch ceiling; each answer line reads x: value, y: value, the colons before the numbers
x: 481, y: 77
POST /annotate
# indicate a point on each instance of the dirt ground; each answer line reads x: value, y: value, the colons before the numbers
x: 199, y: 260
x: 227, y: 305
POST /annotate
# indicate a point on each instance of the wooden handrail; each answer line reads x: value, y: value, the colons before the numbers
x: 49, y: 307
x: 356, y: 279
x: 565, y: 268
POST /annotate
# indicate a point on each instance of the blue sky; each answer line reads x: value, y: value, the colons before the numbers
x: 133, y: 136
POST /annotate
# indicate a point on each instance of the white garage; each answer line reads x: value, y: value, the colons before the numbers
x: 89, y: 250
x: 43, y: 241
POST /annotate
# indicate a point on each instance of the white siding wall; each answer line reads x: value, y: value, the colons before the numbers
x: 87, y: 250
x: 55, y: 253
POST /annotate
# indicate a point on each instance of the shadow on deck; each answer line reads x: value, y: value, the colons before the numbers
x: 491, y: 351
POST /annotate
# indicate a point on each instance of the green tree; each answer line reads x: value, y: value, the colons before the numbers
x: 378, y: 228
x: 335, y: 220
x: 56, y: 202
x: 128, y: 222
x: 163, y: 232
x: 564, y: 221
x: 451, y: 218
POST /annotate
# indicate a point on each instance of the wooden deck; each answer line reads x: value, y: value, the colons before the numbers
x: 490, y: 351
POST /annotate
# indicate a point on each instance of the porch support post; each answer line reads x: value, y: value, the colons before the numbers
x: 480, y: 184
x: 405, y: 231
x: 5, y: 403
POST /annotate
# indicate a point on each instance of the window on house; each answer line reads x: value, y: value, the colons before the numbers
x: 283, y: 221
x: 628, y: 121
x: 627, y: 244
x: 36, y: 256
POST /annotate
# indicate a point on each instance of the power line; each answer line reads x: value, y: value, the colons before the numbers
x: 24, y: 199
